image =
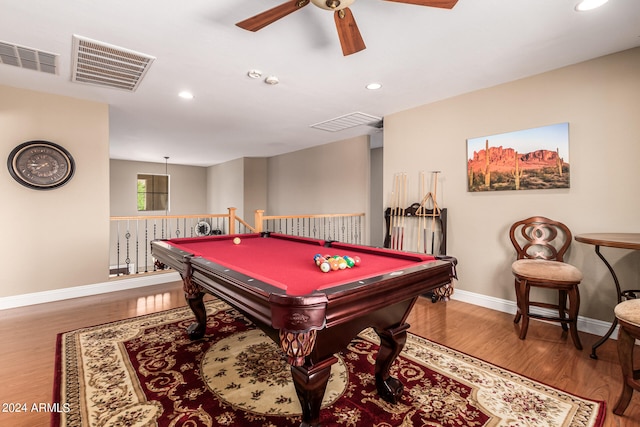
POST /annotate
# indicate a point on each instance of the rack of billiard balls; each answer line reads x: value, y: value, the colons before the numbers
x: 329, y: 263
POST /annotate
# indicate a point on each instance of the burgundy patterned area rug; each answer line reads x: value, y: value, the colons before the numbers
x: 146, y: 372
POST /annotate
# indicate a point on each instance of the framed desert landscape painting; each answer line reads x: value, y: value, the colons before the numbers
x: 531, y: 159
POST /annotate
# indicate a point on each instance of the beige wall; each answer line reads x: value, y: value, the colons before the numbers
x: 225, y: 187
x: 376, y: 203
x: 57, y: 238
x: 255, y: 187
x: 331, y: 178
x: 187, y: 192
x: 600, y: 100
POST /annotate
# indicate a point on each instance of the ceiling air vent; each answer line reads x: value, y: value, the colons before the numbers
x: 347, y: 121
x: 31, y: 59
x: 106, y: 65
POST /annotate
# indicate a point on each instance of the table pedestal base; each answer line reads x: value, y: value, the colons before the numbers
x: 629, y: 294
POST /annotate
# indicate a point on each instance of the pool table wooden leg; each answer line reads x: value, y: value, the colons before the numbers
x: 310, y: 383
x: 194, y: 296
x: 391, y: 344
x: 198, y: 328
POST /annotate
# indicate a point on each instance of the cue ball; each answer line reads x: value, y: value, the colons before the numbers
x: 236, y: 241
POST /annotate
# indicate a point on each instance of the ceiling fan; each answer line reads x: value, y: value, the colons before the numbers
x: 350, y: 38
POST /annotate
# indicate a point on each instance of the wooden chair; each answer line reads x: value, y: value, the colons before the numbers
x: 628, y: 315
x: 540, y: 244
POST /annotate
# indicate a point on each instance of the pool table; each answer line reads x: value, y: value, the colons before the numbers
x: 273, y: 280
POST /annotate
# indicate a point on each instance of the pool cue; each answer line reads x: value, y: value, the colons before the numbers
x: 402, y: 211
x: 423, y: 213
x: 394, y: 213
x: 420, y: 191
x: 433, y: 213
x: 398, y: 209
x: 391, y: 219
x: 423, y: 220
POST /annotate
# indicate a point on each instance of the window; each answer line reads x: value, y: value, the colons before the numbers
x: 153, y: 192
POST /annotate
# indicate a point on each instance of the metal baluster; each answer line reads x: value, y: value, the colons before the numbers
x: 324, y: 228
x: 118, y: 249
x: 351, y: 239
x: 155, y: 231
x: 127, y: 236
x: 137, y: 264
x: 146, y: 246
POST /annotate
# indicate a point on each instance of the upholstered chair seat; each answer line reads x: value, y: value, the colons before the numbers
x: 541, y: 269
x: 629, y: 312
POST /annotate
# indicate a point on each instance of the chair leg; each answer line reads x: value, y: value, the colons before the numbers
x: 562, y: 308
x: 518, y: 303
x: 574, y: 308
x: 523, y: 306
x: 625, y: 353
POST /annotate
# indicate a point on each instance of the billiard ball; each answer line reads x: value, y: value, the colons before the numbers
x: 325, y: 267
x: 236, y: 240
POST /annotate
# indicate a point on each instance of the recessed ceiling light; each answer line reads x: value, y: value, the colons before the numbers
x: 585, y: 5
x: 185, y: 95
x: 254, y: 74
x: 272, y: 80
x: 373, y: 86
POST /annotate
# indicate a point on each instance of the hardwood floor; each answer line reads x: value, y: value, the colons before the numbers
x: 28, y: 334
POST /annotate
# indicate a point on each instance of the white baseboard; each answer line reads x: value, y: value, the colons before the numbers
x: 86, y: 290
x: 585, y: 324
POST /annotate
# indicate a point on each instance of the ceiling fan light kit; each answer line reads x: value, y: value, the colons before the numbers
x: 332, y: 4
x: 350, y: 39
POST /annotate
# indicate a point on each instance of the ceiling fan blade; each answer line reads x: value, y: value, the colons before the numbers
x: 445, y: 4
x: 270, y: 16
x: 348, y: 32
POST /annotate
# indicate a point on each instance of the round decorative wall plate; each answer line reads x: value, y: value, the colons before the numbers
x: 41, y: 165
x: 203, y: 228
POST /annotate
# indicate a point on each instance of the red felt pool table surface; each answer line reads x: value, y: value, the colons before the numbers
x: 287, y: 262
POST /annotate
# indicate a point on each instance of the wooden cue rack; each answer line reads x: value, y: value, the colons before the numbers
x: 411, y: 214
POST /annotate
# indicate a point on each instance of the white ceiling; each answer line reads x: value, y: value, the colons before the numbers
x: 419, y: 54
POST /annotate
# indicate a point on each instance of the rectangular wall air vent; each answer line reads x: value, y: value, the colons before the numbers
x: 347, y: 121
x: 31, y: 59
x: 106, y: 65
